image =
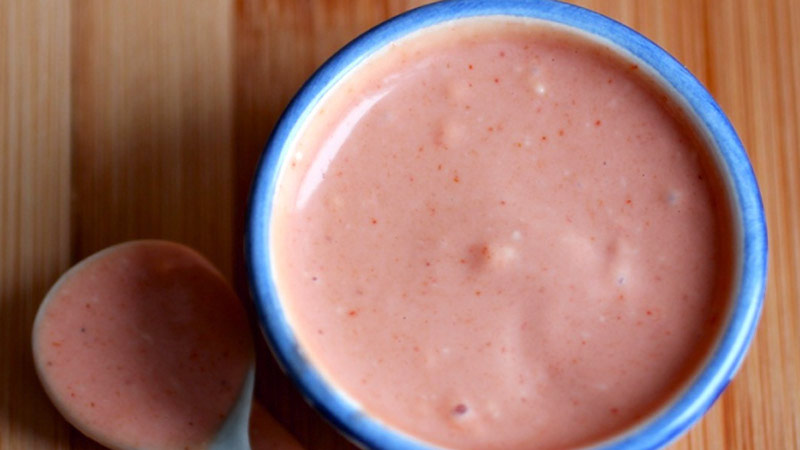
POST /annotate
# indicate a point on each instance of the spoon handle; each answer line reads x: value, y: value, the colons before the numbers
x: 234, y: 432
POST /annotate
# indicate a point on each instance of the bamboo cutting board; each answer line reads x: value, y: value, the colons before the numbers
x: 122, y: 120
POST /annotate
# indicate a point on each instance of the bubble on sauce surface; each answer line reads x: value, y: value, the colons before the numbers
x: 450, y: 133
x: 460, y: 410
x: 491, y: 255
x: 458, y: 89
x: 537, y: 80
x: 672, y: 197
x: 503, y: 255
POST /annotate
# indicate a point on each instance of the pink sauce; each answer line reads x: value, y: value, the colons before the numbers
x: 498, y: 234
x: 143, y: 345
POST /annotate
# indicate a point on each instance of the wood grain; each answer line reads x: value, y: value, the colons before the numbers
x: 153, y: 125
x: 122, y: 120
x: 34, y: 205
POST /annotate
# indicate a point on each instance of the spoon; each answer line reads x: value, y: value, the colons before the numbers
x: 234, y: 433
x: 145, y: 346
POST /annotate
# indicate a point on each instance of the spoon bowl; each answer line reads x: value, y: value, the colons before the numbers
x: 145, y: 346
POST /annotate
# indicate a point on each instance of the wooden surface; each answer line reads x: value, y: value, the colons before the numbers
x: 123, y: 120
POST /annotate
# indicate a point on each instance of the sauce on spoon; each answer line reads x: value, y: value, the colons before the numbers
x: 143, y: 345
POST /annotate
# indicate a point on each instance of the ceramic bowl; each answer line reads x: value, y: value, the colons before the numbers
x: 665, y: 425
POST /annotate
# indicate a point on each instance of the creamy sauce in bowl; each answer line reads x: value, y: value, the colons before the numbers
x: 498, y: 233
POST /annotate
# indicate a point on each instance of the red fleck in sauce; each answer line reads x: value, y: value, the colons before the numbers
x: 550, y: 277
x: 143, y: 345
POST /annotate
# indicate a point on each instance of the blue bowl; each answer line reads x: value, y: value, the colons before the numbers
x: 749, y: 226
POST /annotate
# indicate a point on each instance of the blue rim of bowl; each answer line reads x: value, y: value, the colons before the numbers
x: 674, y: 419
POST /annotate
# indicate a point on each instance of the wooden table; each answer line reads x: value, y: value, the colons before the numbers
x: 122, y: 120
